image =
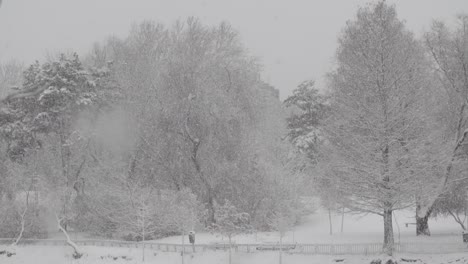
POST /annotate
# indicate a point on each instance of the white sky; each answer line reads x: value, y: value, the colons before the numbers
x: 295, y: 39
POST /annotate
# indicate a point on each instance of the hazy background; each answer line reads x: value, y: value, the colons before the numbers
x: 295, y: 39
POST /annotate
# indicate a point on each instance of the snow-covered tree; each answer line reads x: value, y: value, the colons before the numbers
x: 449, y: 50
x: 138, y: 217
x: 42, y: 117
x: 377, y: 126
x: 282, y: 220
x: 194, y: 98
x: 138, y: 220
x: 183, y: 214
x: 308, y: 110
x: 230, y: 222
x: 51, y: 98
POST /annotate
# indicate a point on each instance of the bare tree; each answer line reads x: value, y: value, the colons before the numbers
x: 376, y: 128
x: 449, y: 50
x: 25, y: 210
x: 60, y: 203
x: 282, y: 220
x: 230, y: 222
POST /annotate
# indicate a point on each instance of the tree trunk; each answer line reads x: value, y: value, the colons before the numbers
x: 422, y: 225
x: 23, y: 221
x: 196, y: 162
x: 77, y: 252
x: 388, y: 232
x: 330, y: 221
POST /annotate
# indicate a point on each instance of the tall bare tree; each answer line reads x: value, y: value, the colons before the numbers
x: 377, y: 128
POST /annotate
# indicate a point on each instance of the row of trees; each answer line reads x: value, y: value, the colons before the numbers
x: 391, y: 132
x: 147, y: 136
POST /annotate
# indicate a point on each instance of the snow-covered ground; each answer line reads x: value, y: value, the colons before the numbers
x: 356, y: 229
x: 99, y: 255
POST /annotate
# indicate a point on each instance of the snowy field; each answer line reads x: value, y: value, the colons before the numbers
x: 356, y: 229
x: 315, y: 229
x: 99, y: 255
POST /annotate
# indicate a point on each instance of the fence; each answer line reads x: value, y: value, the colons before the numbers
x: 317, y: 249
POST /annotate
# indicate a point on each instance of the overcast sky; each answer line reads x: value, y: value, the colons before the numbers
x: 295, y: 39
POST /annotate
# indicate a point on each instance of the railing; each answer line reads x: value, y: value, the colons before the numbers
x: 316, y: 249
